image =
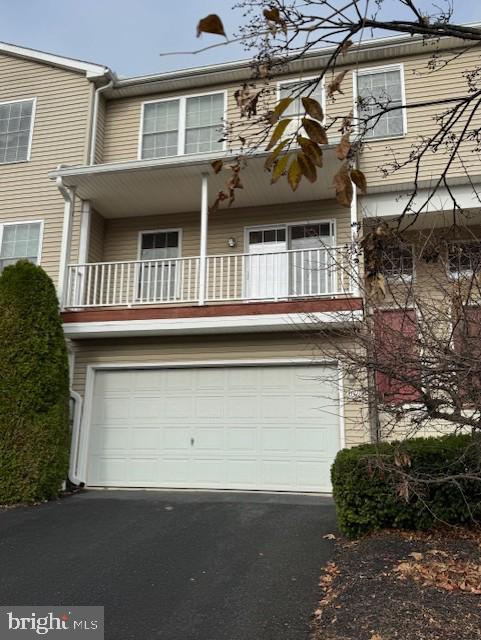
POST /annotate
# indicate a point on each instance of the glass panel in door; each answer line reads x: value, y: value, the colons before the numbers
x: 158, y: 276
x: 267, y: 267
x: 311, y: 264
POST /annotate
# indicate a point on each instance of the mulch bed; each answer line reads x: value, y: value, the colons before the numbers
x: 395, y: 584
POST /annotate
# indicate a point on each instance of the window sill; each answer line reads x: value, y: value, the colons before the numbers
x: 2, y: 164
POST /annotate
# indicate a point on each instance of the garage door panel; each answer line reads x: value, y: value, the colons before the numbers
x: 175, y: 438
x: 263, y: 427
x: 240, y: 438
x: 177, y: 406
x: 276, y: 406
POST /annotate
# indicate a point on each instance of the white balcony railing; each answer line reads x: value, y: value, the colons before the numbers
x: 297, y: 273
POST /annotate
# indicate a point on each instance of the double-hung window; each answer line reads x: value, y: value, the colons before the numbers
x: 20, y: 241
x: 398, y: 262
x: 185, y: 125
x: 297, y: 89
x: 464, y: 257
x: 16, y: 122
x: 380, y: 101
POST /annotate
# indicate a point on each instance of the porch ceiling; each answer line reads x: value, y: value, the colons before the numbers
x: 174, y: 185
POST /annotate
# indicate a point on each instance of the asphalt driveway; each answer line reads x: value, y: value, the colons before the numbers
x: 172, y: 565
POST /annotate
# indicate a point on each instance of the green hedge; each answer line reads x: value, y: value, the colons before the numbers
x: 34, y: 387
x: 368, y: 484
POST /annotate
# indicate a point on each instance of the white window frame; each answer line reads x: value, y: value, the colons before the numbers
x: 402, y: 278
x: 11, y: 223
x: 182, y: 99
x: 298, y: 80
x: 32, y: 121
x: 383, y: 69
x: 466, y: 273
x: 286, y: 225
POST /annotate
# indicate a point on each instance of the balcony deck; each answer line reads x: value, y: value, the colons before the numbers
x: 323, y: 272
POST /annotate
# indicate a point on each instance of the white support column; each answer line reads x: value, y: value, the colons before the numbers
x: 204, y: 226
x: 69, y: 197
x: 354, y: 230
x: 84, y: 240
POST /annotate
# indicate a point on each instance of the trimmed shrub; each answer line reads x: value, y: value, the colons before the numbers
x: 370, y: 492
x: 34, y: 387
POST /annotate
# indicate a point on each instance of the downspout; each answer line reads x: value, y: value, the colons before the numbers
x: 68, y: 194
x: 93, y: 141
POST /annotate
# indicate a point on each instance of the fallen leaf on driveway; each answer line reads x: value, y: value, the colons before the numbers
x: 329, y: 536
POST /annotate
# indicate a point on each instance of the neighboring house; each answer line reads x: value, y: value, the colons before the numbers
x: 192, y: 361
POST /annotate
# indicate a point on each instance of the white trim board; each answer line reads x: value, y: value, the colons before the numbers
x: 91, y: 70
x: 218, y: 324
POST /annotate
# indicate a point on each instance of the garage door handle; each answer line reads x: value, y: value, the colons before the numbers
x: 192, y: 442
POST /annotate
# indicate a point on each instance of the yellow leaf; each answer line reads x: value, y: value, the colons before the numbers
x: 359, y: 180
x: 278, y: 131
x: 343, y: 185
x: 211, y: 24
x: 308, y: 168
x: 294, y: 174
x: 279, y: 168
x: 311, y: 149
x: 280, y: 107
x: 343, y: 147
x: 271, y: 158
x: 335, y: 85
x: 217, y: 165
x: 315, y: 131
x: 313, y: 108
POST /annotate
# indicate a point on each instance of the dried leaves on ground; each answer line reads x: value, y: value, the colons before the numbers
x: 402, y: 585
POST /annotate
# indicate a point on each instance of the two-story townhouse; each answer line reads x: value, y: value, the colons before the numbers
x: 195, y: 363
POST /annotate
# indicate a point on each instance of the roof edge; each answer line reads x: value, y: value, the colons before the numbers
x: 90, y: 69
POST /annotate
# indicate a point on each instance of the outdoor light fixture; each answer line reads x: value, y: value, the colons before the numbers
x: 232, y: 242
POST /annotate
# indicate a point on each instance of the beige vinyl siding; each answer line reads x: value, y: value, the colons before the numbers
x: 123, y: 117
x: 101, y: 122
x: 59, y: 136
x: 97, y: 237
x: 122, y: 234
x: 422, y: 85
x: 209, y: 348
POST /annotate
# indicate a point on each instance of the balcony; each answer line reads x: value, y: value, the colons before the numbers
x: 322, y: 272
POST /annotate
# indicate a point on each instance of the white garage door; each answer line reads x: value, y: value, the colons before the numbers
x: 263, y: 427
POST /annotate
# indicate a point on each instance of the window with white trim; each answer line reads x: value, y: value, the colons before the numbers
x: 398, y: 262
x: 20, y: 241
x: 464, y: 257
x: 376, y: 91
x: 183, y: 125
x: 16, y: 121
x: 297, y: 89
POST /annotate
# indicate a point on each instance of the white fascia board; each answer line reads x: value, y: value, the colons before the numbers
x: 392, y: 204
x: 219, y: 324
x: 91, y: 70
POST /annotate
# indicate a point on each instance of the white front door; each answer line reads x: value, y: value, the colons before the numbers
x: 235, y: 427
x: 267, y: 269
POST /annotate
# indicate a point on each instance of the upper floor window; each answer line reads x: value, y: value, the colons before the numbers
x: 182, y: 125
x: 20, y: 241
x: 464, y: 257
x: 380, y: 98
x: 16, y: 123
x: 297, y: 89
x: 398, y: 262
